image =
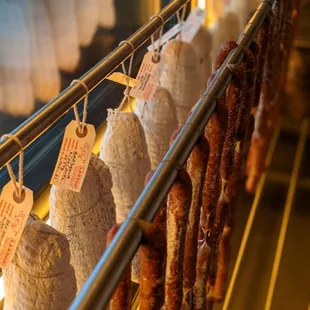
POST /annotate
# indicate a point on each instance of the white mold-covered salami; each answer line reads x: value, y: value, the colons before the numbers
x: 15, y: 61
x: 65, y: 33
x: 87, y: 20
x: 181, y: 76
x: 124, y: 149
x: 159, y: 120
x: 45, y: 76
x: 225, y: 28
x: 202, y: 44
x: 85, y: 217
x: 107, y: 14
x: 40, y: 276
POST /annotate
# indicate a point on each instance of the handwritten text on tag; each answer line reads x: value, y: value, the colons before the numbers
x: 74, y: 156
x: 148, y: 76
x: 166, y: 37
x: 192, y: 24
x: 14, y: 214
x: 121, y: 78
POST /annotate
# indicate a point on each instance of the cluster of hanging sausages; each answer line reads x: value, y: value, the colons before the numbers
x: 185, y: 251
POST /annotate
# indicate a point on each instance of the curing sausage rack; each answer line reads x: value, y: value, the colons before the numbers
x: 102, y: 282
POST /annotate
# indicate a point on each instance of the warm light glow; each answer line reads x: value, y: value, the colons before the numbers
x: 1, y: 288
x: 42, y: 203
x: 202, y: 4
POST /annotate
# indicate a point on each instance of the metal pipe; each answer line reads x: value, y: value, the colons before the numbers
x: 42, y: 120
x: 105, y: 277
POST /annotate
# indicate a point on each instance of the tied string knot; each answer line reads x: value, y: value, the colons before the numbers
x: 128, y: 74
x: 156, y: 49
x: 181, y: 18
x: 81, y: 124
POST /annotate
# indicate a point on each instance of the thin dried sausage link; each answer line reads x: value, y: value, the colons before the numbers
x: 215, y: 132
x: 178, y: 206
x: 233, y: 99
x: 153, y: 267
x: 200, y: 287
x: 246, y: 96
x: 121, y: 299
x: 262, y: 38
x: 196, y: 168
x: 161, y: 217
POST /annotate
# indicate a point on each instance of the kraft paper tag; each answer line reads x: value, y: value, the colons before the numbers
x: 121, y: 78
x: 172, y: 32
x: 192, y: 24
x: 148, y: 76
x: 74, y: 156
x: 14, y: 214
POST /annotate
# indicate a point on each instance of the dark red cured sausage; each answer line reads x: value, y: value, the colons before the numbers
x: 153, y: 267
x: 178, y: 206
x: 215, y: 132
x: 161, y: 217
x: 121, y: 299
x: 224, y: 52
x: 200, y: 287
x: 233, y: 98
x: 196, y: 168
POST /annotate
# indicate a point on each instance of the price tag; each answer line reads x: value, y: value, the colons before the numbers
x: 172, y: 32
x: 192, y: 24
x: 121, y: 78
x: 14, y: 214
x: 148, y: 76
x: 74, y: 156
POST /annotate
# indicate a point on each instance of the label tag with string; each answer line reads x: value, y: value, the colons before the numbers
x: 14, y: 212
x: 148, y: 76
x: 172, y: 32
x: 123, y: 79
x: 192, y: 24
x: 74, y: 156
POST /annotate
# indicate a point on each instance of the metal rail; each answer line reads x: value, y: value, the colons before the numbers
x: 105, y: 277
x: 41, y: 121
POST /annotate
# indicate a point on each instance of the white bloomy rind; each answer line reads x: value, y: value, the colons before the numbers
x: 40, y: 275
x: 65, y: 33
x: 87, y: 20
x: 124, y: 149
x: 85, y: 217
x: 45, y: 76
x: 202, y: 44
x: 159, y: 120
x: 181, y: 77
x: 15, y: 61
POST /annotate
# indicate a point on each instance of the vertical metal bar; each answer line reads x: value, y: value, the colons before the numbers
x: 102, y: 282
x: 287, y: 212
x: 250, y: 220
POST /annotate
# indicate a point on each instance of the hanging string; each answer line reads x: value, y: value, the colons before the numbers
x: 157, y: 50
x: 181, y: 18
x: 81, y: 124
x: 18, y: 185
x: 128, y: 73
